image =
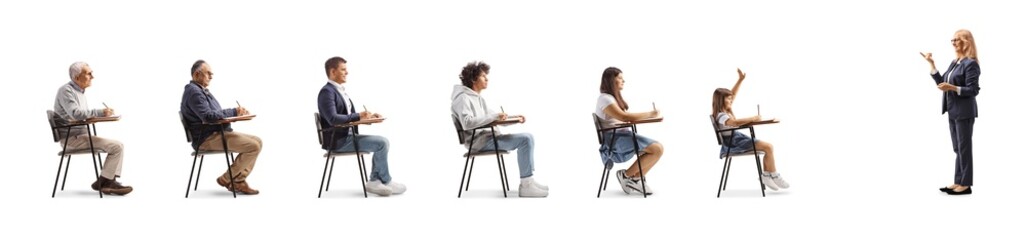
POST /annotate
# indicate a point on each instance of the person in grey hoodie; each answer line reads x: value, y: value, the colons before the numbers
x: 473, y: 112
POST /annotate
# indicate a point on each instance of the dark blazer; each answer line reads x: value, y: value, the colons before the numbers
x: 332, y: 107
x: 965, y: 75
x: 198, y: 107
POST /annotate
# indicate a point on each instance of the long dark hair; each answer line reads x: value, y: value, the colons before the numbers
x: 719, y: 101
x: 609, y: 86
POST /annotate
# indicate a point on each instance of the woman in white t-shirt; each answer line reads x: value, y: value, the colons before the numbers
x: 737, y: 141
x: 611, y: 110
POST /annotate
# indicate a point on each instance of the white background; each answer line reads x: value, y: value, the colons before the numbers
x: 862, y: 141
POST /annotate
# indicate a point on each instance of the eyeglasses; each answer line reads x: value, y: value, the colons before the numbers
x: 953, y: 40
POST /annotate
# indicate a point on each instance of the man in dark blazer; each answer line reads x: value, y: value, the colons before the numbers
x: 960, y: 84
x: 336, y: 108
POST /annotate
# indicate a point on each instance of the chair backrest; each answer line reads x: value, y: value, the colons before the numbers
x: 53, y: 124
x: 598, y: 127
x: 185, y: 126
x: 459, y: 128
x: 320, y: 128
x: 716, y: 130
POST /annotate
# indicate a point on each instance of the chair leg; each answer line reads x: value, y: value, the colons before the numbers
x: 363, y: 174
x: 502, y: 181
x: 323, y: 175
x: 331, y: 171
x: 470, y: 173
x: 505, y: 173
x: 723, y: 173
x: 200, y: 170
x: 99, y: 159
x: 463, y: 177
x: 641, y: 171
x: 66, y: 167
x: 603, y: 181
x: 730, y: 162
x: 95, y: 170
x: 191, y: 170
x: 58, y: 178
x: 758, y: 169
x: 609, y: 168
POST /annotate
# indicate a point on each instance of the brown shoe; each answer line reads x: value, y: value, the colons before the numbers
x: 242, y: 186
x: 113, y: 187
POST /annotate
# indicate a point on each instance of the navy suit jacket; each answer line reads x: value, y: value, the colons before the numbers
x: 199, y: 107
x: 332, y: 107
x: 965, y: 75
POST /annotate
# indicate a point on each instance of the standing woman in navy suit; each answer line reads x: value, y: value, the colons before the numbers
x: 960, y: 85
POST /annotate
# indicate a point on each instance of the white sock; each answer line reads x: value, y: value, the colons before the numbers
x: 526, y: 180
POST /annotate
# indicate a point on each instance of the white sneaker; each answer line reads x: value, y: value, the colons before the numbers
x: 528, y: 188
x: 621, y: 175
x: 539, y: 185
x: 779, y: 181
x: 397, y: 188
x: 635, y: 185
x: 767, y: 180
x: 376, y: 187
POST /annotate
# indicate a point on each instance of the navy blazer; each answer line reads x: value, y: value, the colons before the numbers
x: 332, y: 107
x: 965, y: 75
x: 199, y: 107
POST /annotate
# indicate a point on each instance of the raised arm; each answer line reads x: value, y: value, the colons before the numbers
x: 737, y: 86
x: 937, y: 79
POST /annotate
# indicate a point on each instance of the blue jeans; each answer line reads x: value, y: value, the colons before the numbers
x: 523, y: 143
x: 377, y: 145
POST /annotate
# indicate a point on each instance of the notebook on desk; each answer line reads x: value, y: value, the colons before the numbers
x: 240, y: 117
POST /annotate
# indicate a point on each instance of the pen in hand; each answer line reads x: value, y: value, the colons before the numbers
x: 107, y: 111
x: 243, y: 112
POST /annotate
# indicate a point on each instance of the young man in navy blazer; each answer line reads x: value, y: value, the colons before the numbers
x: 337, y: 108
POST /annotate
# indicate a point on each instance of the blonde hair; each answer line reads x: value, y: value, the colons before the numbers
x: 969, y: 50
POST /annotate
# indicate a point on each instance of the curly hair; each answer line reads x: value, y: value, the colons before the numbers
x: 472, y: 71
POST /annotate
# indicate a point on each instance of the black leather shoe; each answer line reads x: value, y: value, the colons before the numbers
x: 967, y: 191
x: 945, y: 189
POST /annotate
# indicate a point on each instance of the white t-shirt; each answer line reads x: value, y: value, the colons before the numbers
x: 604, y: 100
x: 721, y: 120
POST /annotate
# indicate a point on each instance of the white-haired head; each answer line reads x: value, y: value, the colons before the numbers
x: 76, y: 69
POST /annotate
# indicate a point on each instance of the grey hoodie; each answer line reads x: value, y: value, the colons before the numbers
x: 472, y: 112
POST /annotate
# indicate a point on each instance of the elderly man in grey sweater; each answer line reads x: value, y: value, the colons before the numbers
x: 71, y: 105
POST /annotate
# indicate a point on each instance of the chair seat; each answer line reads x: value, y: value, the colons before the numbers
x: 336, y: 154
x: 486, y: 152
x: 209, y: 152
x: 78, y: 151
x: 746, y: 153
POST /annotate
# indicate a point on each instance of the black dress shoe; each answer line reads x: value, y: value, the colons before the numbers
x: 945, y: 189
x: 967, y: 191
